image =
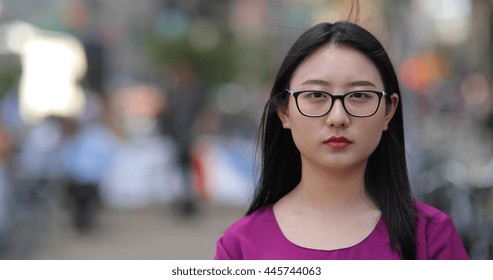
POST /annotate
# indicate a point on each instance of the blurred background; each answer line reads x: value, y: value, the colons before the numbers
x: 127, y: 128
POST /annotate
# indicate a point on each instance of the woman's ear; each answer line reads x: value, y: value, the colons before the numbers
x: 283, y: 114
x: 390, y: 110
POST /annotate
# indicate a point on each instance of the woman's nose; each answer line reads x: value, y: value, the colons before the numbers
x: 337, y: 116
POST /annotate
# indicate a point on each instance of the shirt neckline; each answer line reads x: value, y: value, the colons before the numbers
x: 365, y: 240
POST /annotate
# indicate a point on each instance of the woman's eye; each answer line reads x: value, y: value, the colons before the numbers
x: 358, y: 95
x: 317, y: 95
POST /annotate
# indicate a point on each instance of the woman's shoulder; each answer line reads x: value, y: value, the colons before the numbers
x: 237, y: 240
x: 251, y: 223
x: 431, y: 218
x: 437, y: 236
x: 429, y: 214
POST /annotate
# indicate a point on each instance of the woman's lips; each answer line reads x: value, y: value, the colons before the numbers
x: 338, y: 142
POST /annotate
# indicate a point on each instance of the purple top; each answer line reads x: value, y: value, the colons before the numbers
x: 258, y: 236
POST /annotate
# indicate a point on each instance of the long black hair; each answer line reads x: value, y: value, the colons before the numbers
x: 386, y: 178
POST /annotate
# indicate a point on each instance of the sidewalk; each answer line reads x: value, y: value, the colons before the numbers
x: 152, y: 233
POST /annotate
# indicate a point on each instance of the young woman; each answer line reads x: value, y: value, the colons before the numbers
x: 334, y: 181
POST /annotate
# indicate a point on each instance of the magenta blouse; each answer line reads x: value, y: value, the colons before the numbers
x: 258, y: 237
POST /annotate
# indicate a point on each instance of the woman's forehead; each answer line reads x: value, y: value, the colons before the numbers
x: 333, y: 65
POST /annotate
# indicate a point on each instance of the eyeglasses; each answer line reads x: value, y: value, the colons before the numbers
x: 316, y: 103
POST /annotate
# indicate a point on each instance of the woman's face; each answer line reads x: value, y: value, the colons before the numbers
x: 337, y: 140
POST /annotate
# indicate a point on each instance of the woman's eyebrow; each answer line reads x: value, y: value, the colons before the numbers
x: 361, y: 83
x: 319, y: 82
x: 316, y: 82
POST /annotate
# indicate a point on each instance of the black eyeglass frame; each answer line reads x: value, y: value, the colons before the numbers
x: 295, y: 94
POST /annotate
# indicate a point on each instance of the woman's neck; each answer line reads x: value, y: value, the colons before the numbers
x: 332, y: 190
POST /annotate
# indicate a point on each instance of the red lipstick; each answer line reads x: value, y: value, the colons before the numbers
x: 338, y: 142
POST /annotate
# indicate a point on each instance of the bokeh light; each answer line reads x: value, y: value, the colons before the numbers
x: 232, y: 98
x: 203, y: 36
x: 415, y: 73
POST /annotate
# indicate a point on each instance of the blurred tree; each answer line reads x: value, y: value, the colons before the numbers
x: 215, y: 64
x: 9, y: 76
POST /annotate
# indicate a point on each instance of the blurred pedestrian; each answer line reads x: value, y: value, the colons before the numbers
x: 144, y: 169
x: 88, y: 152
x: 187, y: 100
x: 334, y: 181
x: 5, y: 185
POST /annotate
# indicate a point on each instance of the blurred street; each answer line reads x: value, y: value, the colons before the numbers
x: 150, y: 233
x: 137, y: 106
